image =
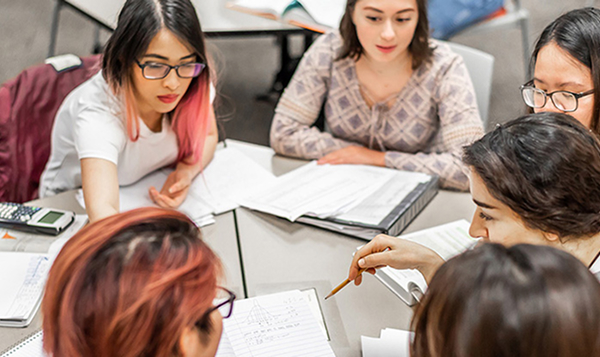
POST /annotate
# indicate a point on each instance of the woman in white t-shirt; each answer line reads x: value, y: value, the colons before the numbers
x: 149, y: 107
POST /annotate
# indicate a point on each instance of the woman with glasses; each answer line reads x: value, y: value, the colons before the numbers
x: 391, y: 96
x: 534, y: 180
x: 139, y: 283
x: 566, y: 68
x: 149, y: 107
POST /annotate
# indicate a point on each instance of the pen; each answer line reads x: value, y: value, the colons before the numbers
x: 341, y: 286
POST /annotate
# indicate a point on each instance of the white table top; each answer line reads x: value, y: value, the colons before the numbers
x: 279, y: 255
x: 214, y: 16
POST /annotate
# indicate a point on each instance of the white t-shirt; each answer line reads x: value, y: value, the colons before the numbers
x: 90, y: 124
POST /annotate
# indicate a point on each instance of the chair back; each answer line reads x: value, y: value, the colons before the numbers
x: 481, y: 69
x: 28, y: 105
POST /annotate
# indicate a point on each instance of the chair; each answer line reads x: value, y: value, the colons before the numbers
x: 28, y: 105
x: 512, y: 14
x: 481, y: 67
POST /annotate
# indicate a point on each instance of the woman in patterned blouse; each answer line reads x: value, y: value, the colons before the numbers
x: 392, y: 97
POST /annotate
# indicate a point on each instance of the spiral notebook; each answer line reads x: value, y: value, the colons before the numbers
x: 30, y: 346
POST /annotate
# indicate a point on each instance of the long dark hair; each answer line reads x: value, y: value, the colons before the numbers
x: 419, y: 46
x: 578, y: 33
x: 139, y: 22
x: 522, y: 301
x: 546, y: 168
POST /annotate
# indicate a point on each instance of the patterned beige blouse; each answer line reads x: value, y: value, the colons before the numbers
x: 424, y: 130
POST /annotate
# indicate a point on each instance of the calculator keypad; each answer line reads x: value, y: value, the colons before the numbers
x: 17, y: 212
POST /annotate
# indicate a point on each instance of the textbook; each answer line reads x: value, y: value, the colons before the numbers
x: 25, y: 260
x: 447, y: 241
x: 357, y: 200
x: 315, y: 15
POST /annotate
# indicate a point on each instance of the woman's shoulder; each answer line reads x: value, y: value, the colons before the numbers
x: 327, y: 46
x: 442, y: 59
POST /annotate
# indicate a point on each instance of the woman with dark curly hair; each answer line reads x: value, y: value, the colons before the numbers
x: 534, y: 180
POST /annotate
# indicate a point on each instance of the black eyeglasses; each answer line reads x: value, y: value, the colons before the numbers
x: 225, y: 307
x: 153, y: 70
x: 563, y: 100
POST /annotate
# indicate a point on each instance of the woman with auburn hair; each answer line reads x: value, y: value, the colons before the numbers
x: 149, y: 107
x: 139, y: 283
x: 566, y: 68
x: 534, y: 180
x: 391, y: 96
x: 522, y: 301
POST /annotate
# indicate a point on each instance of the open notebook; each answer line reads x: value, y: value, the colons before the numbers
x: 25, y: 260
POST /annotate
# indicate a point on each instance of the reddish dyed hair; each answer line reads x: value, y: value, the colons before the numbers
x: 128, y: 285
x: 139, y: 22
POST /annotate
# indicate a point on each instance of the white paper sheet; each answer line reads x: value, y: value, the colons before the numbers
x: 447, y: 240
x: 320, y: 190
x: 31, y: 347
x: 277, y: 325
x: 392, y: 343
x: 325, y: 12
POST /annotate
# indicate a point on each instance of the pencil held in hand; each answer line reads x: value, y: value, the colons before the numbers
x: 346, y: 282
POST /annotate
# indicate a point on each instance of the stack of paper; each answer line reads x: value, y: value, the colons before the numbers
x: 216, y: 190
x: 391, y: 343
x: 318, y: 190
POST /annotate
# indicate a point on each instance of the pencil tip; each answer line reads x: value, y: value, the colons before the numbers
x: 327, y: 297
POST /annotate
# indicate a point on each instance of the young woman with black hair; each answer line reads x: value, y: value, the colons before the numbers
x: 392, y: 97
x: 149, y: 107
x: 534, y: 180
x: 519, y: 301
x: 566, y: 68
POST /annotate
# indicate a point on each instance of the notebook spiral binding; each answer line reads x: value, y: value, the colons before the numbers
x: 17, y: 345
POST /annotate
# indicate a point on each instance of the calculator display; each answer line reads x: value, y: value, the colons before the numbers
x: 50, y: 217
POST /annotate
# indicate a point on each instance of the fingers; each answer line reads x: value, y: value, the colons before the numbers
x: 162, y: 200
x: 177, y: 187
x: 378, y: 244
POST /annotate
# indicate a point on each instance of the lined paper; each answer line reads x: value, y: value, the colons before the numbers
x: 30, y: 347
x: 277, y: 325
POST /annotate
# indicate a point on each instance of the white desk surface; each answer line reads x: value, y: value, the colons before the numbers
x: 214, y: 16
x: 279, y: 255
x: 220, y: 236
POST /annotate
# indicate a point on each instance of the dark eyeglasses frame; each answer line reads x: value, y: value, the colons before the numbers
x: 229, y: 300
x: 176, y: 68
x: 551, y: 96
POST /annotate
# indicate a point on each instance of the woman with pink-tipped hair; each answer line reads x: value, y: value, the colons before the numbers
x: 149, y: 107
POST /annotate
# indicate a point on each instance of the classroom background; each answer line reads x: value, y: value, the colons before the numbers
x: 247, y: 65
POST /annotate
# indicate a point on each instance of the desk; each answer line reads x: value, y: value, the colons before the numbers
x: 221, y: 237
x: 280, y: 255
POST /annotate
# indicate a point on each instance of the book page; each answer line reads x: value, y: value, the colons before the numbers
x: 378, y: 205
x: 277, y: 325
x: 447, y: 240
x: 325, y: 12
x: 23, y: 276
x: 319, y: 190
x: 267, y: 7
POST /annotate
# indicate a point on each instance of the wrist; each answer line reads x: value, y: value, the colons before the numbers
x: 430, y: 265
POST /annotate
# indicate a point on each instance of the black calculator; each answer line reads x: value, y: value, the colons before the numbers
x: 34, y: 219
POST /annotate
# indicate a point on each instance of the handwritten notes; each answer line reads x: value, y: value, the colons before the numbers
x: 278, y: 325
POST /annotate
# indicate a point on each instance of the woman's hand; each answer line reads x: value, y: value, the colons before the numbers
x: 175, y: 189
x: 397, y: 253
x: 357, y: 155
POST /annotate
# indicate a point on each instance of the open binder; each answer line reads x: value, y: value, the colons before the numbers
x: 393, y: 224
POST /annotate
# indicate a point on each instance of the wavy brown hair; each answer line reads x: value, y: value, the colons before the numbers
x: 419, y: 47
x: 546, y: 168
x: 128, y: 286
x: 522, y: 301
